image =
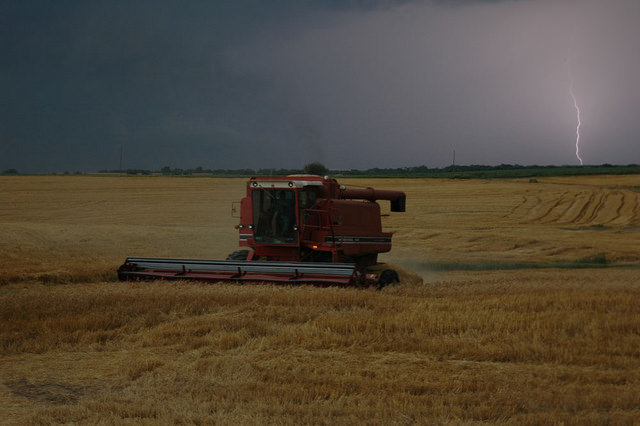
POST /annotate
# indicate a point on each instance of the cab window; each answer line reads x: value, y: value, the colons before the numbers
x: 274, y: 216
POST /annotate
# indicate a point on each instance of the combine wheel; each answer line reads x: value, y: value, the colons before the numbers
x: 388, y: 276
x: 238, y: 255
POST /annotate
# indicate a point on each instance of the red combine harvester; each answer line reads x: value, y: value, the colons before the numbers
x: 296, y: 229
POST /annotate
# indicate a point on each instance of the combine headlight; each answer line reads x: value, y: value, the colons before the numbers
x: 290, y: 184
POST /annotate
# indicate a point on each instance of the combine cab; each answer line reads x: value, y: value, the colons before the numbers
x: 294, y: 229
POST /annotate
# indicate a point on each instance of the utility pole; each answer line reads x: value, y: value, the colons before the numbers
x: 121, y: 152
x: 454, y: 161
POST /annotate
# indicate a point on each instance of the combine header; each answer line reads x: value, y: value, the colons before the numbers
x: 295, y: 229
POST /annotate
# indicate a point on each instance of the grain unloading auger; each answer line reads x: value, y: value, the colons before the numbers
x: 296, y: 229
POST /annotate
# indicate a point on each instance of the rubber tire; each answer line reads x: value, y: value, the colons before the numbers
x: 388, y: 276
x: 239, y: 255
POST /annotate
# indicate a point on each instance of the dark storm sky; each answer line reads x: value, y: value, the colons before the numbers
x: 352, y: 84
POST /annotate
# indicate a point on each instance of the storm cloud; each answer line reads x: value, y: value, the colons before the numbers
x: 351, y: 84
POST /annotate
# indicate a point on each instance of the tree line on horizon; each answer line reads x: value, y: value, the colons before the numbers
x: 317, y: 168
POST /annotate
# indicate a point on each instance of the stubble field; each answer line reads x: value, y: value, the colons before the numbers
x: 520, y: 304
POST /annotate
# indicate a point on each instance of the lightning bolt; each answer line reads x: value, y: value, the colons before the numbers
x: 575, y: 105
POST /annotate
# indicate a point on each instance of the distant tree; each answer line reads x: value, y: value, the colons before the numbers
x: 316, y: 168
x: 10, y: 172
x: 166, y: 170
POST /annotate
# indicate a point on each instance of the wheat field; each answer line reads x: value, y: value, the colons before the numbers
x: 518, y: 345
